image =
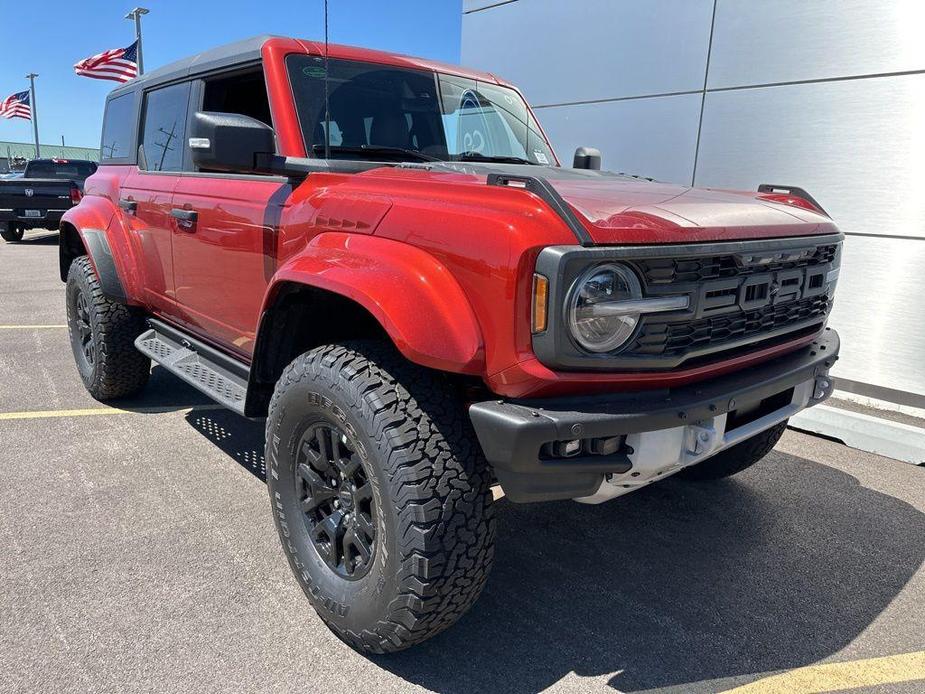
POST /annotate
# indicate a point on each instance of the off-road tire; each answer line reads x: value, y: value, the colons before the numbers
x: 737, y: 458
x: 430, y: 485
x: 117, y: 369
x: 11, y: 234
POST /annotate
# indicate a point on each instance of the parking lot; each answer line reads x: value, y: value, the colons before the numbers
x: 139, y: 555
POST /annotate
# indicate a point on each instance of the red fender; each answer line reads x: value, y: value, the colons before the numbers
x: 107, y: 243
x: 412, y: 295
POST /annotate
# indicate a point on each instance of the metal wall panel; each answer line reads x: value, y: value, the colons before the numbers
x: 880, y: 313
x: 858, y: 146
x: 582, y: 50
x: 790, y: 40
x: 653, y: 137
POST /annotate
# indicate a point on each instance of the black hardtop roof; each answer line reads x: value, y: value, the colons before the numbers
x: 243, y: 51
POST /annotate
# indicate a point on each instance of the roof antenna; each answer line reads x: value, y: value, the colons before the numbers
x: 327, y: 109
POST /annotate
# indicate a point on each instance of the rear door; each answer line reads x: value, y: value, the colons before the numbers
x: 225, y: 250
x: 147, y: 191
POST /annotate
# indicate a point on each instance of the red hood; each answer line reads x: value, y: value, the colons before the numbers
x: 619, y: 210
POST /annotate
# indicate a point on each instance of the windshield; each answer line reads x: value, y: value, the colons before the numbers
x: 70, y: 170
x: 398, y: 114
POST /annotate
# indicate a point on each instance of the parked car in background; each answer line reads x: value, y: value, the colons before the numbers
x: 39, y: 196
x: 383, y: 257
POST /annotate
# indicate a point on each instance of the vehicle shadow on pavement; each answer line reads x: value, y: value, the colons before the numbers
x: 240, y: 439
x: 39, y: 238
x: 678, y: 583
x: 673, y: 585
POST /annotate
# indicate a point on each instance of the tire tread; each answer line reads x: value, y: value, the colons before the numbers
x: 437, y: 477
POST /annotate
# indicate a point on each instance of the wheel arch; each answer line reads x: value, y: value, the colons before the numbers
x: 347, y: 286
x: 87, y: 230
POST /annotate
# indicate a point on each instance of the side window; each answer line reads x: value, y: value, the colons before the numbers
x: 244, y: 93
x: 118, y: 128
x: 164, y: 127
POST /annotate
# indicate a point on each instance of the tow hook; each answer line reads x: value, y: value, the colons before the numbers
x: 823, y: 388
x: 700, y: 438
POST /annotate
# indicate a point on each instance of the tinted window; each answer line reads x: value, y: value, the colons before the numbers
x: 243, y: 93
x: 370, y: 106
x: 70, y: 170
x: 118, y: 127
x: 164, y: 127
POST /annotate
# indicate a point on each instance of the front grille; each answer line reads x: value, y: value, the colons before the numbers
x: 680, y: 338
x: 661, y: 271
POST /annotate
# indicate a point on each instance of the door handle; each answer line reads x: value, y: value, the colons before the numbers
x: 186, y: 219
x: 128, y: 205
x: 184, y: 215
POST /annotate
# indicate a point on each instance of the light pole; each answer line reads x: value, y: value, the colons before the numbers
x: 136, y: 15
x: 35, y: 112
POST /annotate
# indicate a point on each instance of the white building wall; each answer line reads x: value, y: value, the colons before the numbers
x: 828, y: 95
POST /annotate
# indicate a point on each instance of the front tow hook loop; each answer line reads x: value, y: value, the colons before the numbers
x: 823, y: 388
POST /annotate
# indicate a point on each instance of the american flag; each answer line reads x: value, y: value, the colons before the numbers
x: 16, y: 106
x: 118, y: 64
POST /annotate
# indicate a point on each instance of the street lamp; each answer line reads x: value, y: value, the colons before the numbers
x: 136, y: 15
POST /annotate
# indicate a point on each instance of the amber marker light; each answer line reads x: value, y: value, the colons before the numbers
x: 540, y: 302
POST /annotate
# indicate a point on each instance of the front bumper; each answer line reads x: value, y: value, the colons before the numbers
x: 661, y: 431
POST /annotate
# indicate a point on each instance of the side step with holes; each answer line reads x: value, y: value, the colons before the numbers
x: 217, y: 375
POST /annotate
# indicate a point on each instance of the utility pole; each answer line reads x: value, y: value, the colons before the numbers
x: 136, y: 15
x: 35, y: 111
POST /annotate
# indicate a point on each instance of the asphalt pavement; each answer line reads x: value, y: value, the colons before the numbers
x: 137, y: 553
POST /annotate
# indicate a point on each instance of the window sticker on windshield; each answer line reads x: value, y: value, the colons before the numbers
x: 313, y: 71
x: 540, y: 157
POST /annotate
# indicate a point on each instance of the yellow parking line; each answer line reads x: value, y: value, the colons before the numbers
x: 29, y: 327
x: 97, y: 411
x: 833, y: 677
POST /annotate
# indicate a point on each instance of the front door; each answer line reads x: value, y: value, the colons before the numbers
x: 224, y: 250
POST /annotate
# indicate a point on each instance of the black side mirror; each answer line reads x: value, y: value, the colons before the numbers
x: 229, y: 141
x: 587, y: 158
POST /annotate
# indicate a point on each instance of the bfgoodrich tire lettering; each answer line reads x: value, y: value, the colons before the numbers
x: 737, y: 458
x: 434, y: 528
x: 102, y: 334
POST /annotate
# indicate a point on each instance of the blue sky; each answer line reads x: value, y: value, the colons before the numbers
x: 65, y: 32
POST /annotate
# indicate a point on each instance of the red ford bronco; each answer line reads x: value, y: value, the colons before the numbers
x: 384, y: 258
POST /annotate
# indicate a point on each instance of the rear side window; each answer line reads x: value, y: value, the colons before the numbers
x: 118, y: 127
x: 164, y: 127
x: 70, y: 170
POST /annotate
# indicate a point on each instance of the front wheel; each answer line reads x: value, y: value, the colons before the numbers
x: 380, y: 494
x: 11, y: 234
x: 735, y: 458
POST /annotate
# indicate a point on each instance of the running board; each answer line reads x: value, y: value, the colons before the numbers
x: 206, y: 369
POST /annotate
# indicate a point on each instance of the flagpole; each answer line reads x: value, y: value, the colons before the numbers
x: 35, y: 112
x: 136, y: 15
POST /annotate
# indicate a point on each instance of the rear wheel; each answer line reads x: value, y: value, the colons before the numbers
x: 737, y: 458
x: 11, y: 234
x: 380, y: 494
x: 103, y: 335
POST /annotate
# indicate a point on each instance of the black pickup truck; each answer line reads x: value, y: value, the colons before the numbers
x: 38, y: 199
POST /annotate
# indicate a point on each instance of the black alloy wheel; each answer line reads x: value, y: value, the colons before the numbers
x: 84, y: 330
x: 337, y: 500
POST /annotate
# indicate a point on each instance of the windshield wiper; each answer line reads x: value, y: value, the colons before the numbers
x: 377, y: 150
x: 504, y: 159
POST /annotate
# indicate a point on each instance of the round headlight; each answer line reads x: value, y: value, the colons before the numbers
x: 597, y: 320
